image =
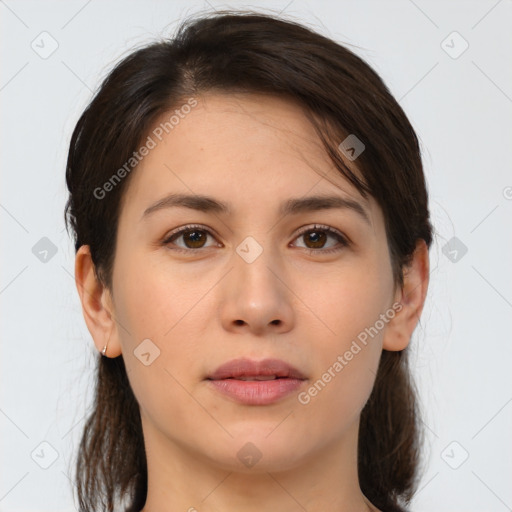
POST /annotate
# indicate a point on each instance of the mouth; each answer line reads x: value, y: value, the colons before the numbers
x: 256, y: 382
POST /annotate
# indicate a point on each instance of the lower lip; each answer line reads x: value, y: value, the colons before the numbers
x: 257, y: 392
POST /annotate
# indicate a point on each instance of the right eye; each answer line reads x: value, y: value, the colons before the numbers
x: 194, y: 237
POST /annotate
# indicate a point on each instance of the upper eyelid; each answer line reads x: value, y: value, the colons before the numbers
x: 189, y: 227
x: 324, y: 227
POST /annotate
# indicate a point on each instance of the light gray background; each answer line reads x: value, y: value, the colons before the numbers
x: 461, y: 108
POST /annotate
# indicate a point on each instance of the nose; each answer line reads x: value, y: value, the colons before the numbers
x: 256, y: 297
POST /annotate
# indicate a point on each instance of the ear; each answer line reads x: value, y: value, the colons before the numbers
x: 97, y: 304
x: 411, y: 298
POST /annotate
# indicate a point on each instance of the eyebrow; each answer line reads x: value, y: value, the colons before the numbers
x: 292, y: 206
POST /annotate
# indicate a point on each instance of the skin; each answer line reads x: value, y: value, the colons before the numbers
x: 204, y: 308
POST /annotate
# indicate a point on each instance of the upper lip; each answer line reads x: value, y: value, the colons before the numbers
x: 250, y: 368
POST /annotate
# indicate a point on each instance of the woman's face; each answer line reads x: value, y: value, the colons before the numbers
x: 250, y: 282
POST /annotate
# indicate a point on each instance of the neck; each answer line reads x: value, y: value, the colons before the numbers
x: 180, y: 479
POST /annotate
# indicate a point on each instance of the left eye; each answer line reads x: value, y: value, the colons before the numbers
x: 195, y: 237
x: 317, y: 236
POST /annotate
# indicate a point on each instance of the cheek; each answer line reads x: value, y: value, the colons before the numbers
x: 346, y: 362
x: 167, y: 308
x: 152, y: 305
x: 351, y: 300
x: 155, y: 298
x: 350, y: 306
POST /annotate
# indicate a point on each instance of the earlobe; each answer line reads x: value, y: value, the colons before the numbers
x: 412, y: 299
x: 96, y: 304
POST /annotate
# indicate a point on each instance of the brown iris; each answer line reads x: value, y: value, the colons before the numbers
x: 196, y: 238
x: 316, y: 237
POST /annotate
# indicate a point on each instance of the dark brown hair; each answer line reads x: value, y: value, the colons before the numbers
x: 341, y: 94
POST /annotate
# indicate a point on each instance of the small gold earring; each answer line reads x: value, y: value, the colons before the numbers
x: 104, y: 350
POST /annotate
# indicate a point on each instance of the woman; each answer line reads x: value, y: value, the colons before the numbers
x: 251, y: 227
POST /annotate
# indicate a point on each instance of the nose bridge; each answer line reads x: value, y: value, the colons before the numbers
x: 253, y: 263
x: 255, y: 293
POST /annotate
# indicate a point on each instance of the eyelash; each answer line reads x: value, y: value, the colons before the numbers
x: 316, y: 227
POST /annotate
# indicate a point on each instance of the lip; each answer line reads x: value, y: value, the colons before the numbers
x: 244, y: 367
x: 227, y: 380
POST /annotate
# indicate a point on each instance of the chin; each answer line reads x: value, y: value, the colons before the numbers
x: 260, y: 451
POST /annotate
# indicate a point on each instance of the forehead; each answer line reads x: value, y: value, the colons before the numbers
x: 240, y: 147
